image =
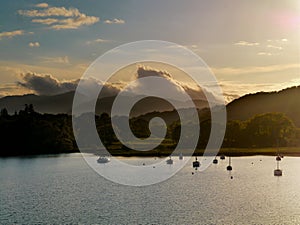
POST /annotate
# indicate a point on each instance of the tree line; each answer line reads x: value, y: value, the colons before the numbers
x: 28, y: 132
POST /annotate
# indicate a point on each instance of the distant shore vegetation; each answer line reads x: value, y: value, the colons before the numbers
x: 28, y: 132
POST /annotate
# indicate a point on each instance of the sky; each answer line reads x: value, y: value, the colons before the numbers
x: 249, y: 45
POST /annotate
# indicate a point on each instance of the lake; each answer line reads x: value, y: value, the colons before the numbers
x: 64, y: 189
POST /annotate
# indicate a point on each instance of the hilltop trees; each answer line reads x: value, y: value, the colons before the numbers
x: 264, y: 130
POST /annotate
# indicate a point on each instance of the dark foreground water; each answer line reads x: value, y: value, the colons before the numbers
x: 60, y: 190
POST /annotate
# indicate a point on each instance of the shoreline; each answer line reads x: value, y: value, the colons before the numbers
x: 234, y: 152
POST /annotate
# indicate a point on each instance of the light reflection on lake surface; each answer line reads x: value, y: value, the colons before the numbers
x: 65, y: 190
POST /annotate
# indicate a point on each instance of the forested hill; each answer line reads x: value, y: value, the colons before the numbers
x: 286, y: 101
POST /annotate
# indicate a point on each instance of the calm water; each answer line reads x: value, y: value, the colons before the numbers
x: 65, y: 190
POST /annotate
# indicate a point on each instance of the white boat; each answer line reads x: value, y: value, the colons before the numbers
x: 103, y: 159
x: 180, y: 156
x: 169, y: 161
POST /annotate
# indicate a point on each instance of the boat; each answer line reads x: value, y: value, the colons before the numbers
x: 229, y: 167
x: 169, y: 161
x: 215, y: 161
x: 180, y: 156
x: 222, y: 157
x: 196, y: 164
x: 278, y: 173
x: 103, y: 159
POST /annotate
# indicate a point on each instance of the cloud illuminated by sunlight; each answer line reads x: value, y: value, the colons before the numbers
x: 10, y: 34
x: 114, y: 21
x: 70, y: 18
x: 34, y: 44
x: 246, y: 43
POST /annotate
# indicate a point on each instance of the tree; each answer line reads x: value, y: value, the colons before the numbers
x: 269, y: 129
x: 4, y: 112
x: 234, y: 134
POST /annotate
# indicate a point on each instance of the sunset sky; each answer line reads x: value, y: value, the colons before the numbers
x: 250, y: 45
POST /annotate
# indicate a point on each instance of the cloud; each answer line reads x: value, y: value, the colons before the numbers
x: 114, y: 21
x: 265, y: 53
x: 282, y: 41
x: 246, y: 43
x: 10, y: 89
x: 42, y: 5
x: 52, y: 11
x: 143, y: 71
x: 274, y: 47
x: 74, y: 23
x: 255, y: 69
x: 46, y: 84
x: 175, y: 87
x: 99, y: 40
x: 10, y: 34
x: 34, y: 44
x: 48, y: 21
x: 59, y: 18
x: 59, y: 60
x: 233, y: 90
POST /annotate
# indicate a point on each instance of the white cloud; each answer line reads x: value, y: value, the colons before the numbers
x: 47, y: 21
x: 10, y: 34
x: 114, y: 21
x: 34, y: 44
x: 246, y: 43
x: 274, y: 47
x: 56, y: 60
x: 74, y: 23
x: 42, y: 5
x: 59, y: 18
x: 282, y: 41
x: 254, y: 69
x: 265, y: 53
x: 99, y: 40
x: 52, y: 11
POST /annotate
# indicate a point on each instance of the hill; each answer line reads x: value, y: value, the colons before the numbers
x: 62, y: 103
x: 286, y: 101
